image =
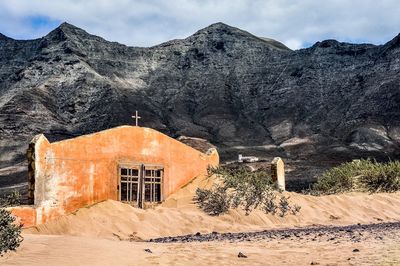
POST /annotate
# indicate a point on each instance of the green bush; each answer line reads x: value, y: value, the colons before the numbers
x: 336, y: 180
x: 10, y: 233
x: 382, y: 177
x: 12, y: 199
x: 359, y: 175
x: 241, y: 188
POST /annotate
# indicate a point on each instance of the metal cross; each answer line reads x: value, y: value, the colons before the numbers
x: 136, y: 117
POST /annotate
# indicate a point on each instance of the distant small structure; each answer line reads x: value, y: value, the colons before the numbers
x: 247, y: 159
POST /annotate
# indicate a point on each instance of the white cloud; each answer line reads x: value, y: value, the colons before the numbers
x: 293, y: 44
x: 146, y: 23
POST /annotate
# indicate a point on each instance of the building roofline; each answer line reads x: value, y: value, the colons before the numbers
x: 120, y: 127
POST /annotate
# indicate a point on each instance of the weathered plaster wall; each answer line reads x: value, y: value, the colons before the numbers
x: 26, y: 215
x: 74, y: 173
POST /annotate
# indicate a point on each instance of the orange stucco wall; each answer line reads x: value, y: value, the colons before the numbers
x: 25, y: 215
x: 74, y: 173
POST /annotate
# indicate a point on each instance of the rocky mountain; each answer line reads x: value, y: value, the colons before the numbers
x: 245, y: 94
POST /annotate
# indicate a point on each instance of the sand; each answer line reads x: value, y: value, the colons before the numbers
x: 180, y: 216
x: 91, y: 236
x: 70, y: 250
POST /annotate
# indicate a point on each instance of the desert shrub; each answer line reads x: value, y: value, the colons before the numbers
x: 202, y: 196
x: 241, y: 188
x: 295, y: 209
x: 12, y: 199
x: 213, y: 202
x: 336, y: 180
x: 10, y: 233
x: 382, y: 177
x: 269, y: 205
x: 359, y: 175
x: 284, y: 206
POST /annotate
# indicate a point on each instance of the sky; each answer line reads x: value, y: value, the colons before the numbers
x: 297, y: 24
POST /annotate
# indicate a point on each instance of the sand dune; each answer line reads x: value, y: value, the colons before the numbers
x: 179, y: 216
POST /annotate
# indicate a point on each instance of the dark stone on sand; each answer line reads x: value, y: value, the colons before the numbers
x: 241, y: 255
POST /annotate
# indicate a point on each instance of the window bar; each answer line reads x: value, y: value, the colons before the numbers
x: 151, y: 187
x: 142, y: 187
x: 129, y: 197
x: 127, y: 190
x: 154, y: 186
x: 132, y: 185
x: 138, y: 187
x: 120, y: 184
x: 161, y: 184
x: 128, y: 185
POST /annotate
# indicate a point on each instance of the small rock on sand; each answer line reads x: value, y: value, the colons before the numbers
x: 241, y: 255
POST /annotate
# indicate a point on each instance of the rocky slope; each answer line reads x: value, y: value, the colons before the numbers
x: 332, y: 101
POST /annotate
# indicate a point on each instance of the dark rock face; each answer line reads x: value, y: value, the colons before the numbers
x: 223, y: 84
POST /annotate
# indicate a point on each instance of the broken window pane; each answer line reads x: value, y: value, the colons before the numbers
x: 124, y: 190
x: 124, y: 171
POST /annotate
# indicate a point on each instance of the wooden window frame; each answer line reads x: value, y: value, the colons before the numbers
x: 141, y: 183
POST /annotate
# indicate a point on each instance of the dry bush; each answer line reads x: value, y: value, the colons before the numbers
x: 213, y: 202
x: 360, y: 175
x: 241, y: 188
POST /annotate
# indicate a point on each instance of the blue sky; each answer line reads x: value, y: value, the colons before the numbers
x: 148, y: 22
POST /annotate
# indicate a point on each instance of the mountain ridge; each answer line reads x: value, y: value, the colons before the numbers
x: 69, y: 28
x: 332, y: 101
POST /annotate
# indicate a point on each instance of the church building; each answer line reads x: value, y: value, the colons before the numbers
x: 132, y: 164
